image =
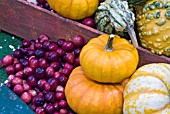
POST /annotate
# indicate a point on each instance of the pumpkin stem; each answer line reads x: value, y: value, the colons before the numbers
x: 109, y: 46
x: 132, y: 35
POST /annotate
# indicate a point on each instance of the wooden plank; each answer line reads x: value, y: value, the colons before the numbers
x: 28, y: 21
x: 147, y: 57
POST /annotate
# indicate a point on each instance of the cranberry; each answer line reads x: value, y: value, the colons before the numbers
x: 33, y: 107
x: 39, y: 73
x: 34, y: 63
x: 62, y: 80
x: 52, y: 56
x: 55, y: 65
x: 63, y: 111
x: 56, y: 106
x: 78, y: 41
x: 42, y: 63
x: 60, y: 42
x: 40, y: 5
x: 68, y: 46
x: 15, y: 61
x: 17, y: 53
x: 59, y: 95
x: 68, y: 66
x: 20, y: 74
x: 32, y: 92
x: 49, y: 108
x: 32, y: 41
x: 16, y: 80
x: 37, y: 89
x: 10, y: 77
x: 89, y: 22
x: 38, y: 100
x: 47, y: 87
x: 53, y: 47
x: 18, y: 89
x: 28, y: 71
x: 37, y: 45
x: 18, y: 67
x: 57, y: 75
x: 77, y: 62
x: 60, y: 52
x: 60, y: 88
x: 63, y: 104
x: 10, y: 69
x: 25, y: 62
x: 46, y: 5
x: 26, y: 87
x: 40, y: 110
x: 42, y: 38
x: 8, y: 60
x: 50, y: 97
x: 41, y: 83
x: 49, y: 72
x: 26, y: 97
x: 9, y: 85
x: 70, y: 58
x: 53, y: 83
x: 23, y: 51
x: 25, y: 43
x: 66, y: 72
x: 31, y: 80
x: 77, y: 52
x: 39, y: 53
x: 46, y: 44
x: 30, y: 52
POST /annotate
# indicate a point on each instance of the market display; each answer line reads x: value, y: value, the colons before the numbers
x: 102, y: 75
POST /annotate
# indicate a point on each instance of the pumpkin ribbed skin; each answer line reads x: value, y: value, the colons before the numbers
x: 110, y: 67
x: 153, y: 20
x: 74, y: 9
x: 148, y: 90
x: 86, y: 96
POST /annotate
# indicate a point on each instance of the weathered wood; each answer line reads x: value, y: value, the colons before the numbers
x: 28, y: 21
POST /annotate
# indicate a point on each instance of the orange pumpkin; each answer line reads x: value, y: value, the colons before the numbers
x: 112, y: 61
x: 74, y: 9
x: 86, y: 96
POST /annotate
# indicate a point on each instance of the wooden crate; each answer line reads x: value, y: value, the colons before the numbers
x: 28, y: 21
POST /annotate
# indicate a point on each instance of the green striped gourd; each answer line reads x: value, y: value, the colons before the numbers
x: 114, y: 16
x: 153, y: 21
x: 148, y: 91
x: 133, y: 3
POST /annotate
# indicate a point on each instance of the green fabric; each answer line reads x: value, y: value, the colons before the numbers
x: 7, y: 41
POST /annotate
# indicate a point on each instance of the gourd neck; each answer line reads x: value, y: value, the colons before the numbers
x: 109, y: 47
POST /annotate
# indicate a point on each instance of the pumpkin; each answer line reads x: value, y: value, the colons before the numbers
x: 74, y: 9
x: 148, y: 91
x: 110, y: 57
x: 114, y: 16
x: 153, y: 20
x: 86, y: 96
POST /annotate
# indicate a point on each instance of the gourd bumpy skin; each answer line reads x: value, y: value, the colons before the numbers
x: 153, y: 20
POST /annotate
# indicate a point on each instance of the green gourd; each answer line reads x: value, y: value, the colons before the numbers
x: 114, y: 16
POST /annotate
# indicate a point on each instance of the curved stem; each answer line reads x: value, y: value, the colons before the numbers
x: 132, y: 35
x: 109, y: 46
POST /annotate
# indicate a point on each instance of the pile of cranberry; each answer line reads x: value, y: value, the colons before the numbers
x: 38, y: 72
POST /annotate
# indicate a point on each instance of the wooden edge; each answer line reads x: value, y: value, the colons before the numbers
x: 147, y: 57
x: 28, y: 21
